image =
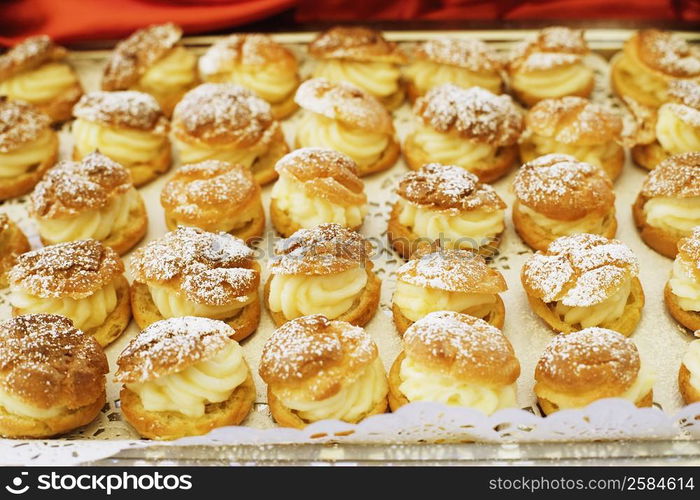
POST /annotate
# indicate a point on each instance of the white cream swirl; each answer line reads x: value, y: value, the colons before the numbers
x: 593, y: 154
x: 171, y: 304
x: 416, y: 302
x: 678, y: 215
x: 176, y: 71
x: 450, y: 149
x: 40, y: 85
x: 675, y: 134
x: 608, y: 310
x: 592, y: 223
x: 685, y: 285
x: 14, y: 405
x: 380, y: 79
x: 639, y: 76
x: 691, y: 360
x: 21, y: 160
x: 190, y: 153
x: 273, y: 82
x: 428, y: 74
x: 555, y: 82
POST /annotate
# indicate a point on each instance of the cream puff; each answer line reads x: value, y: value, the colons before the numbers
x: 129, y: 127
x: 689, y: 374
x: 582, y: 281
x: 342, y: 117
x: 448, y: 280
x: 682, y: 292
x: 35, y: 71
x: 362, y: 57
x: 316, y: 186
x: 456, y: 360
x: 577, y: 127
x: 257, y: 62
x: 668, y: 205
x: 649, y: 61
x: 464, y: 62
x: 223, y: 121
x: 585, y: 366
x: 319, y: 369
x: 445, y: 204
x: 82, y: 280
x: 13, y: 242
x: 28, y: 147
x: 52, y: 379
x: 216, y: 196
x: 323, y: 270
x: 90, y: 199
x: 184, y: 377
x: 470, y: 128
x: 550, y: 66
x: 153, y: 60
x: 557, y: 195
x: 190, y: 272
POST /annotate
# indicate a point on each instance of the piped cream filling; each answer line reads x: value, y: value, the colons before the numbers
x: 378, y: 78
x: 190, y: 153
x: 556, y: 82
x: 416, y: 302
x: 675, y: 134
x: 175, y: 72
x: 14, y: 405
x: 684, y: 285
x: 592, y: 223
x: 171, y: 304
x: 40, y: 85
x: 450, y: 149
x: 691, y: 360
x: 428, y: 74
x: 593, y: 154
x: 272, y: 82
x: 677, y: 215
x: 640, y: 76
x: 608, y: 310
x: 21, y: 160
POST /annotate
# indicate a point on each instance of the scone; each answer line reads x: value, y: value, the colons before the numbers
x: 577, y: 127
x: 90, y: 199
x: 28, y: 147
x: 153, y: 60
x: 257, y: 62
x: 13, y: 242
x: 362, y: 57
x: 190, y: 272
x: 448, y: 280
x: 52, y: 377
x: 471, y: 128
x: 34, y: 71
x: 557, y: 195
x: 127, y: 126
x: 319, y: 369
x: 316, y: 186
x: 82, y: 280
x: 668, y: 205
x: 223, y: 121
x: 464, y: 62
x: 448, y: 205
x: 323, y: 270
x: 184, y: 377
x: 216, y: 196
x: 649, y: 61
x: 578, y: 369
x: 682, y: 292
x: 456, y: 360
x: 550, y: 66
x: 342, y: 117
x: 583, y: 281
x: 689, y: 374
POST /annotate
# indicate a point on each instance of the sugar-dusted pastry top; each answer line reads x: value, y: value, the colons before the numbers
x: 20, y: 124
x: 133, y: 56
x: 208, y: 268
x: 686, y: 92
x: 355, y: 43
x: 170, y: 346
x: 579, y: 270
x: 29, y: 54
x: 551, y: 48
x: 561, y: 187
x: 468, y: 53
x: 249, y: 50
x: 46, y: 362
x: 73, y: 187
x: 677, y: 176
x: 128, y: 108
x: 689, y: 251
x: 667, y: 53
x: 74, y: 269
x: 462, y: 346
x: 472, y: 113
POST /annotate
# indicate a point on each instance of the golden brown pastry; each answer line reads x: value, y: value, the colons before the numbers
x: 323, y: 270
x: 184, y: 377
x: 668, y: 206
x: 689, y: 374
x: 82, y: 280
x: 582, y: 281
x: 257, y: 62
x: 682, y: 292
x: 28, y: 147
x: 446, y: 204
x: 456, y: 360
x: 649, y: 61
x: 362, y: 57
x: 13, y: 242
x: 471, y: 128
x: 557, y: 195
x: 577, y: 127
x: 585, y: 366
x: 52, y: 376
x: 215, y: 196
x: 464, y: 62
x: 223, y: 121
x: 129, y: 127
x: 190, y: 272
x: 318, y: 369
x: 153, y: 60
x: 448, y: 280
x: 342, y: 117
x: 316, y: 186
x: 34, y: 71
x: 90, y: 199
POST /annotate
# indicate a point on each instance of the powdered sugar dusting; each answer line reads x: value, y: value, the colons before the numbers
x: 468, y: 53
x: 20, y: 123
x: 669, y: 53
x: 247, y: 50
x: 677, y: 176
x: 127, y: 108
x: 30, y: 53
